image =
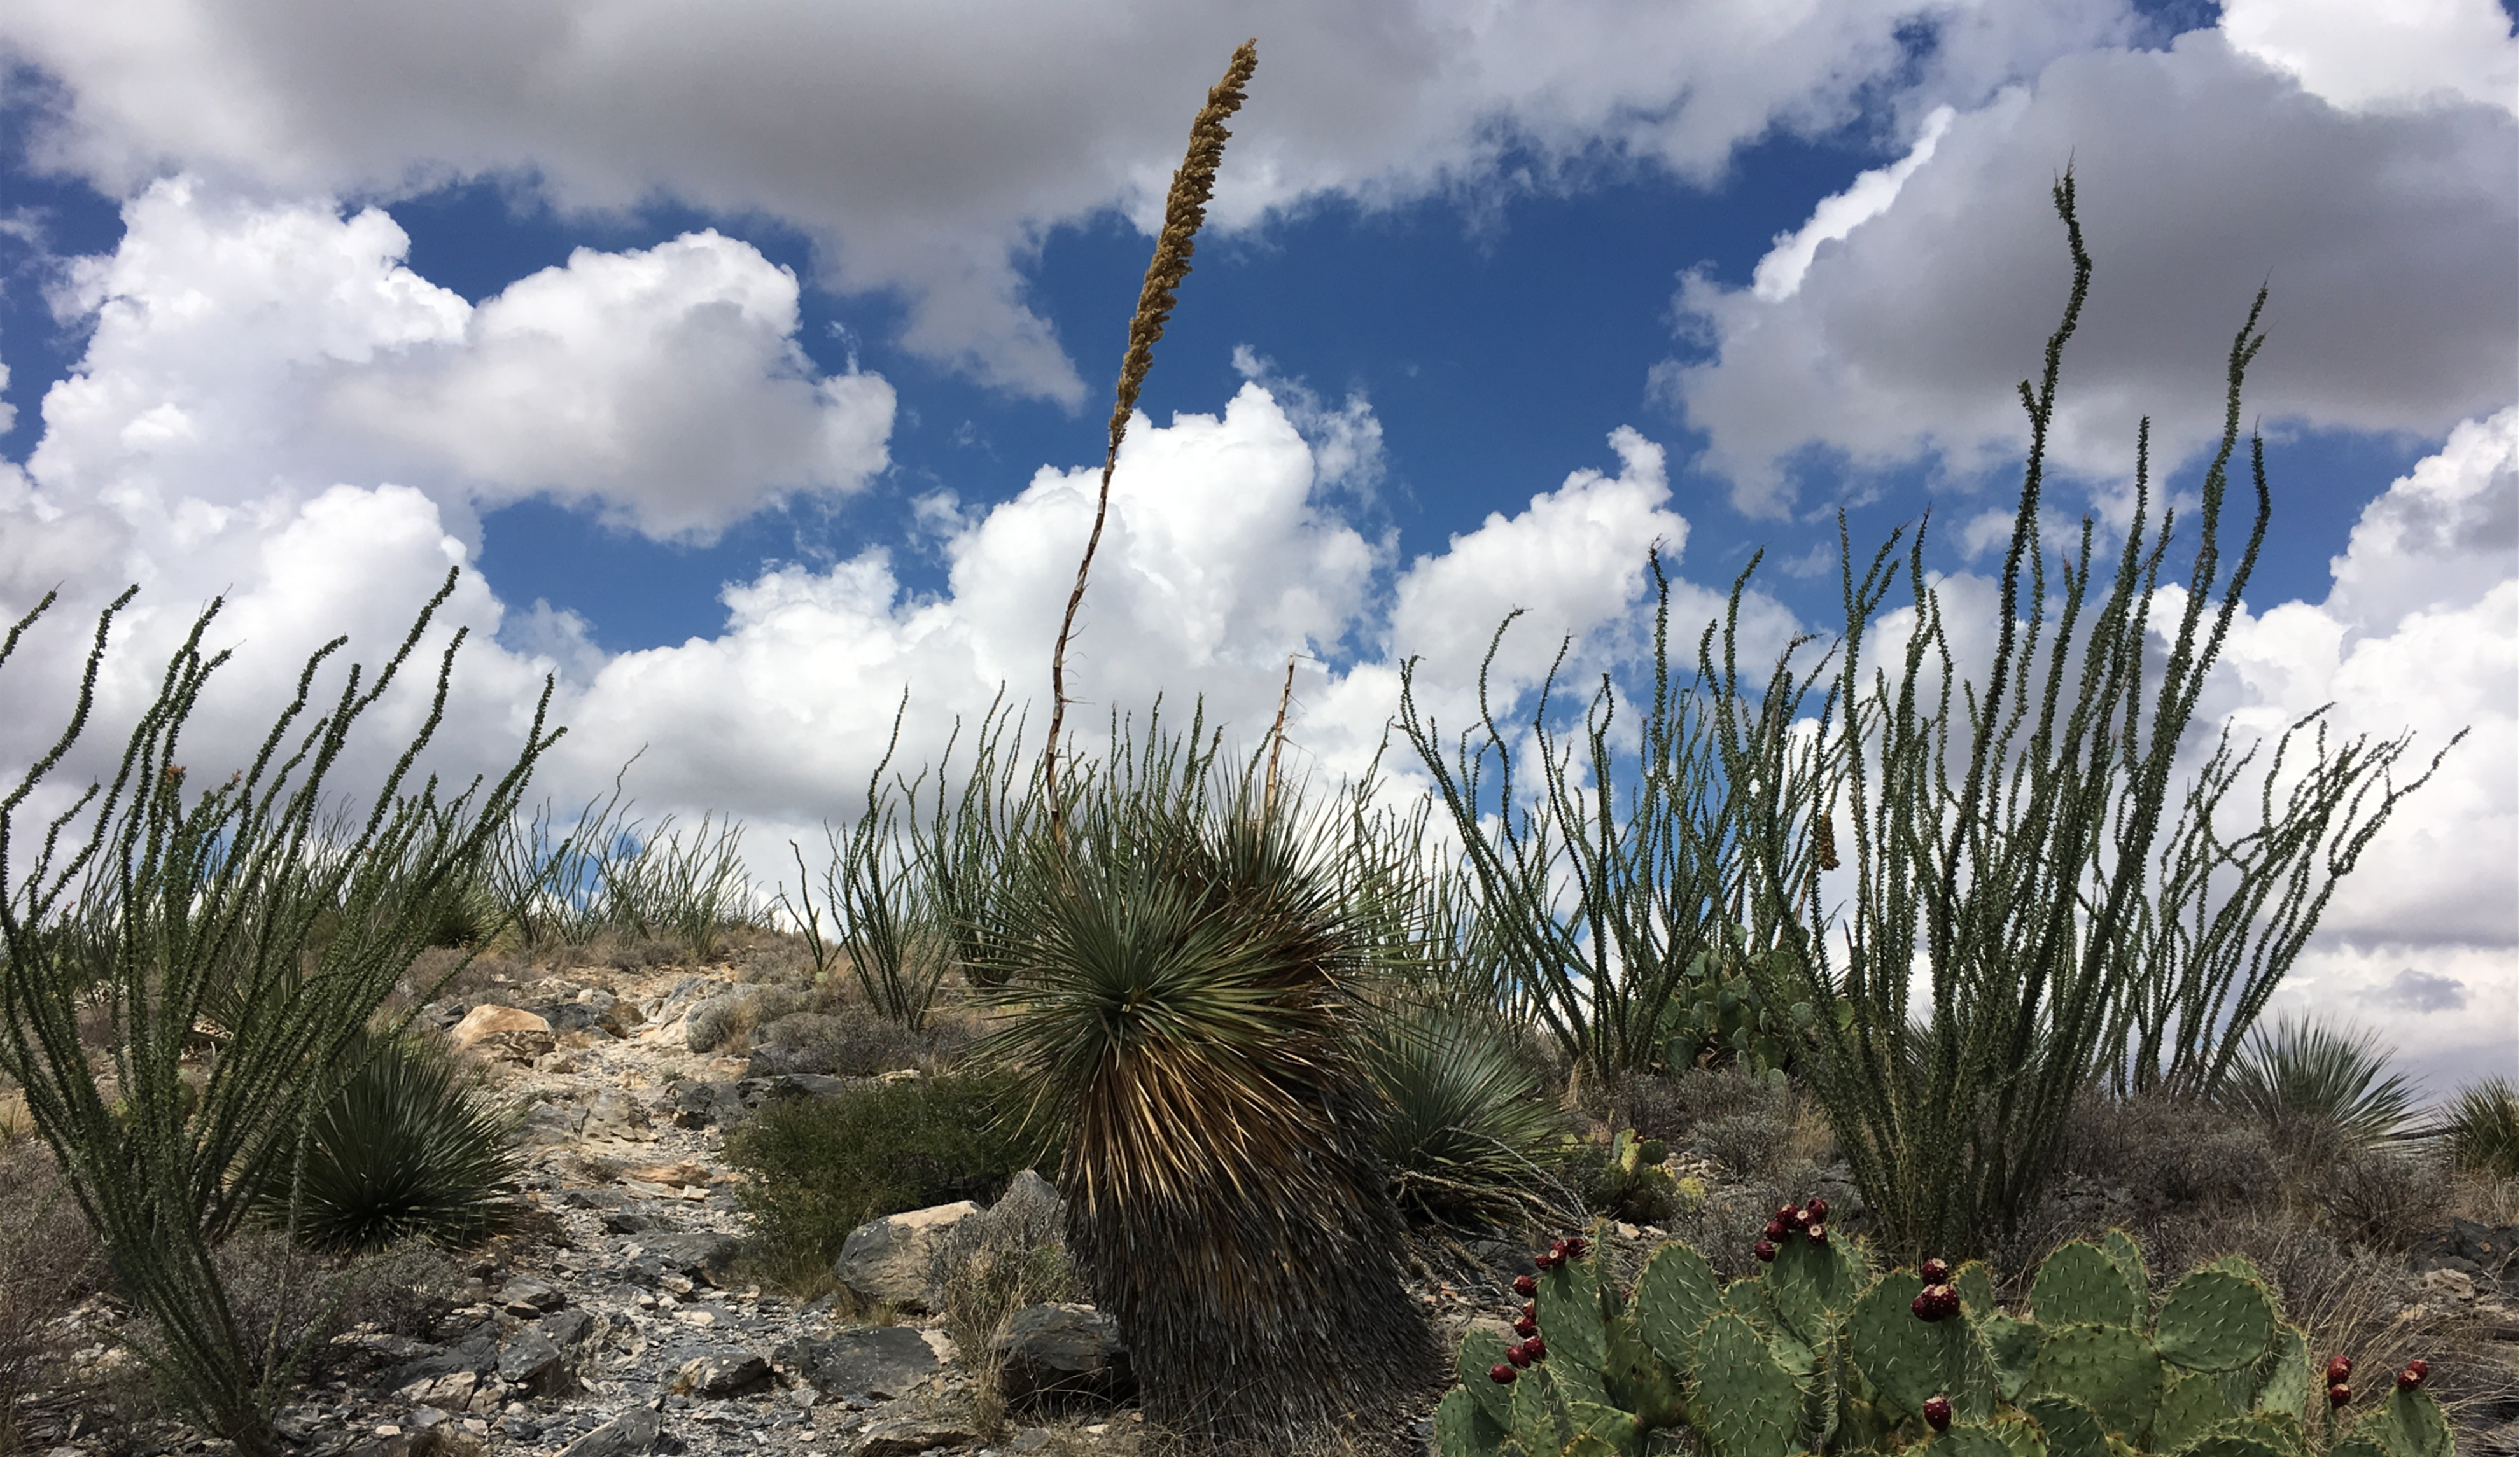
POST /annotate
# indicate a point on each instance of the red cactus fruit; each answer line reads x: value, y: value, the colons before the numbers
x: 1577, y: 1247
x: 1819, y: 1233
x: 1817, y: 1211
x: 1766, y: 1249
x: 1516, y: 1354
x: 2338, y: 1369
x: 1775, y: 1230
x: 1526, y: 1327
x: 1536, y: 1349
x: 1938, y: 1413
x: 1557, y: 1248
x: 1531, y: 1309
x: 1935, y: 1272
x: 1935, y: 1302
x: 1789, y: 1214
x: 2338, y: 1394
x: 2413, y: 1376
x: 1501, y: 1374
x: 1525, y: 1286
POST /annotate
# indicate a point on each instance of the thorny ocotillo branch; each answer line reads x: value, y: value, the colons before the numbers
x: 1185, y: 208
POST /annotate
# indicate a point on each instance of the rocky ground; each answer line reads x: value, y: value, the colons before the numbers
x: 619, y: 1321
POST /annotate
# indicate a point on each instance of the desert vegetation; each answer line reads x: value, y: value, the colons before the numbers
x: 1284, y: 1047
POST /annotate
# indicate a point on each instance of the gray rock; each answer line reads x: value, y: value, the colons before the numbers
x: 614, y: 1113
x: 566, y: 1328
x: 634, y: 1432
x: 526, y: 1298
x: 580, y: 1016
x: 533, y: 1360
x: 910, y: 1436
x: 477, y: 1350
x: 1062, y: 1353
x: 721, y: 1374
x: 1028, y: 1189
x: 705, y: 1255
x: 635, y: 1222
x: 786, y: 1085
x: 877, y: 1363
x: 894, y: 1258
x: 701, y: 1105
x: 593, y: 1198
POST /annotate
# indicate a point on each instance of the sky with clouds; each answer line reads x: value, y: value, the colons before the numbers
x: 750, y: 359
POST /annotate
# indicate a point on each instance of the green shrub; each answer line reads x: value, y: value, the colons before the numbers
x: 1624, y: 1180
x: 408, y: 1149
x: 2481, y: 1129
x: 820, y: 1168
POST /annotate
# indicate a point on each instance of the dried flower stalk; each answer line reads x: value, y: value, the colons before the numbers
x: 1185, y: 210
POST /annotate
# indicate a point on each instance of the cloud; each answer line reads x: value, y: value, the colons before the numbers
x: 2421, y: 991
x: 2374, y: 56
x: 243, y: 358
x: 321, y: 470
x: 2202, y: 173
x: 930, y: 149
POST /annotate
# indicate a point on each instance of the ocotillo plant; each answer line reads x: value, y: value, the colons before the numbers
x: 200, y: 912
x: 2021, y: 887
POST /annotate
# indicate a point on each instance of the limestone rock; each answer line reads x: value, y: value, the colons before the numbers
x: 909, y: 1436
x: 877, y: 1363
x: 722, y: 1373
x: 628, y: 1434
x: 894, y: 1258
x: 1062, y: 1353
x: 490, y: 1019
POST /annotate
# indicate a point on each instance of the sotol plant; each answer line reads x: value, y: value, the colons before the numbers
x: 1816, y: 1352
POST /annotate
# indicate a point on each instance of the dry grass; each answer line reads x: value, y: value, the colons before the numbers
x: 995, y: 1263
x: 49, y: 1261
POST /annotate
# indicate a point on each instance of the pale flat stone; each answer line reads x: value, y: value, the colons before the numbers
x: 488, y: 1018
x: 894, y: 1258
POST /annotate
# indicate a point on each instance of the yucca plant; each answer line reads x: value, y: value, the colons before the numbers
x: 408, y: 1148
x: 2306, y: 1080
x: 195, y: 911
x: 2480, y: 1128
x: 1186, y: 1008
x: 1467, y: 1136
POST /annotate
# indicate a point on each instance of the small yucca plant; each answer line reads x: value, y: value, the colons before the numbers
x: 2307, y: 1079
x: 2480, y: 1128
x: 1465, y: 1137
x: 409, y: 1148
x: 1187, y: 1009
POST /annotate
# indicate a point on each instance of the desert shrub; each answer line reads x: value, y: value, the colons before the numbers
x: 1676, y: 1106
x: 1009, y: 1255
x: 2387, y: 1198
x: 410, y: 1148
x: 49, y: 1261
x: 852, y: 1041
x: 820, y: 1168
x: 2318, y: 1087
x: 2480, y: 1129
x: 1623, y: 1178
x: 725, y: 1021
x: 1467, y: 1136
x: 2168, y: 1151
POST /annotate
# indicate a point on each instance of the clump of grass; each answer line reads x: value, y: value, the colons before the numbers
x: 819, y: 1167
x: 1012, y: 1255
x: 49, y: 1261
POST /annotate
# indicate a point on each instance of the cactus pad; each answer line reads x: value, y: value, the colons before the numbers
x: 1621, y: 1432
x: 1745, y: 1404
x: 1976, y: 1287
x: 2215, y: 1320
x: 1590, y: 1444
x: 2410, y: 1423
x: 1541, y: 1422
x: 1970, y: 1439
x: 1462, y: 1428
x: 1813, y: 1285
x: 1909, y: 1360
x: 1675, y: 1294
x: 2124, y: 1253
x: 2283, y: 1378
x: 2108, y: 1368
x: 1482, y: 1348
x: 1637, y: 1377
x: 2013, y: 1345
x: 1570, y: 1314
x: 2069, y: 1426
x: 2191, y: 1405
x: 2080, y: 1285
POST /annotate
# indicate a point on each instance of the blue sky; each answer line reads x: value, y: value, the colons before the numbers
x: 730, y: 370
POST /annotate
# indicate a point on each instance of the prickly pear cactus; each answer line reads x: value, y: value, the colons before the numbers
x: 1819, y: 1353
